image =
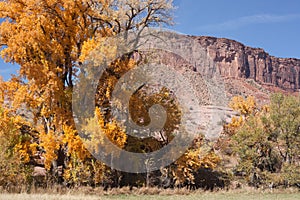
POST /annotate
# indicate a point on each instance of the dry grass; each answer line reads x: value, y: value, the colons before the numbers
x: 155, y: 194
x: 206, y: 196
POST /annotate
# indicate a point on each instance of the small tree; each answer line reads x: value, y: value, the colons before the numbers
x: 267, y: 142
x: 285, y: 120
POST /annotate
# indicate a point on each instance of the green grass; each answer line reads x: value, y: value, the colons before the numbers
x: 204, y: 196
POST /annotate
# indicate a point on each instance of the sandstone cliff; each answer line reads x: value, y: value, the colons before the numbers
x: 235, y: 60
x: 244, y: 71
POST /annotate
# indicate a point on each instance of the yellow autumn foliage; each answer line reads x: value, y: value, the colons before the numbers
x: 192, y: 160
x: 74, y: 143
x: 244, y: 106
x: 16, y: 148
x: 50, y: 39
x: 51, y: 144
x: 97, y: 129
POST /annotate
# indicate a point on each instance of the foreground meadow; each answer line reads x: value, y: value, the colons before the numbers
x: 203, y: 195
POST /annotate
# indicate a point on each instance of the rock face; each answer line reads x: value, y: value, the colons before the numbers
x: 235, y: 60
x: 243, y: 71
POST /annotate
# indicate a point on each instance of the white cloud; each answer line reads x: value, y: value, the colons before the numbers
x: 248, y: 20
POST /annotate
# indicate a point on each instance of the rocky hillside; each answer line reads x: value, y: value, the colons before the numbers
x: 244, y: 71
x: 236, y: 60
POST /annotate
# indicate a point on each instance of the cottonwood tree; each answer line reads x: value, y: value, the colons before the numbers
x: 285, y: 119
x: 267, y: 142
x: 49, y: 39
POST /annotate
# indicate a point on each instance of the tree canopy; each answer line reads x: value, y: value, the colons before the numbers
x: 267, y: 139
x: 49, y: 40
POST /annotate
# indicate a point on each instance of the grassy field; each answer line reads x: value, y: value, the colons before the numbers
x: 204, y: 196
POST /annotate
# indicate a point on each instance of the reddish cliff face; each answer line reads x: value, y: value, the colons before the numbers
x: 235, y: 60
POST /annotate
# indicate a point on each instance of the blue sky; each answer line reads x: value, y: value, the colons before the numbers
x: 273, y: 25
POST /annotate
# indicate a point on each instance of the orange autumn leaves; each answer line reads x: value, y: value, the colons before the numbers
x: 50, y: 39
